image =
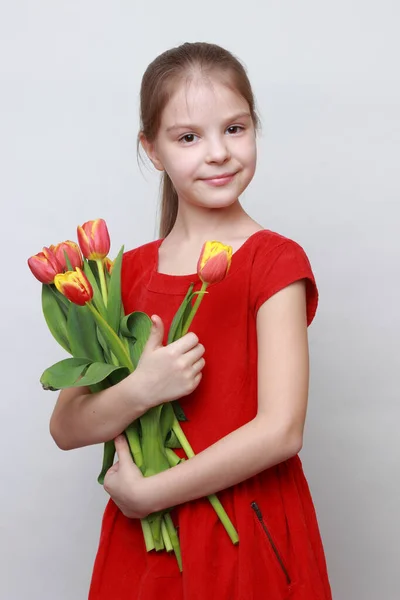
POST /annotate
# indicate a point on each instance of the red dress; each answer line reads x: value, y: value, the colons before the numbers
x: 280, y: 553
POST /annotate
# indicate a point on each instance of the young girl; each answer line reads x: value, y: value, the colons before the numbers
x: 241, y: 374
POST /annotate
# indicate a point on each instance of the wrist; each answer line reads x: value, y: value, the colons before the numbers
x: 133, y: 395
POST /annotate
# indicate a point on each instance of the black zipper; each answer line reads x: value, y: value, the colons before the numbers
x: 257, y: 510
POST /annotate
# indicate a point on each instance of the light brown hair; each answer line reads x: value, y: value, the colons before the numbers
x: 159, y: 83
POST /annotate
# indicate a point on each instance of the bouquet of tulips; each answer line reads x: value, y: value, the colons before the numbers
x: 81, y: 302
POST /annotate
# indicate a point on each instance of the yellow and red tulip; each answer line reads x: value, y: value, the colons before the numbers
x: 214, y: 262
x: 45, y: 266
x: 75, y: 286
x: 73, y: 252
x: 108, y: 263
x: 94, y: 239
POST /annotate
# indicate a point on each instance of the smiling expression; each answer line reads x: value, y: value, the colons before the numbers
x: 206, y: 143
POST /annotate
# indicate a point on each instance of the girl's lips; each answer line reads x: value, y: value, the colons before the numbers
x: 218, y: 181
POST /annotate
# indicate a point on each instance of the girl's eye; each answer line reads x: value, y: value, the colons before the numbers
x: 187, y: 138
x: 237, y: 127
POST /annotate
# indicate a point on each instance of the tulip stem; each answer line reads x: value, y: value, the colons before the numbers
x: 213, y: 499
x: 103, y: 285
x: 196, y: 305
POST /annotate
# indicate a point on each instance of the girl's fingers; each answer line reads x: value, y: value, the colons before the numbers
x: 198, y: 366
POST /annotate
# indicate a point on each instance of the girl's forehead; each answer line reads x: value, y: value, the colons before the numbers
x: 198, y: 99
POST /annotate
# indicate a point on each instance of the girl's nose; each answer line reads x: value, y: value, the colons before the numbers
x: 218, y: 150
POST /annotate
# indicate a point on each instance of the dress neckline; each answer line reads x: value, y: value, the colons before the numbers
x: 178, y: 284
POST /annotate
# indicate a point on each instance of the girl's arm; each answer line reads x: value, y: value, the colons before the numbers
x: 275, y: 434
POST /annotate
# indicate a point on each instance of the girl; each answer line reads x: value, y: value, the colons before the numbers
x: 242, y: 378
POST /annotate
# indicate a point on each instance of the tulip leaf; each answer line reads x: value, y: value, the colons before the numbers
x: 103, y: 344
x: 172, y: 441
x: 55, y: 317
x: 98, y: 371
x: 64, y: 373
x: 63, y: 302
x: 68, y: 262
x: 82, y: 333
x: 136, y: 327
x: 114, y: 293
x: 97, y: 297
x: 76, y: 372
x: 114, y: 343
x: 178, y: 410
x: 167, y: 418
x: 175, y: 330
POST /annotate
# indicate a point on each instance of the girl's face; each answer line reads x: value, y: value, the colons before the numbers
x: 206, y: 131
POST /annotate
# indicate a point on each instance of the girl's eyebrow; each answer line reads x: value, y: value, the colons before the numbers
x: 192, y: 126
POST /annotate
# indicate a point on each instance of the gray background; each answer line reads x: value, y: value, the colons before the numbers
x: 326, y: 80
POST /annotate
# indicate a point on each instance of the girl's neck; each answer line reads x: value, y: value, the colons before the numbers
x: 193, y: 225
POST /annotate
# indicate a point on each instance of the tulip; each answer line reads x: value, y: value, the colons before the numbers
x: 94, y: 239
x: 108, y: 263
x: 73, y: 252
x: 212, y: 267
x: 45, y: 266
x: 214, y: 262
x: 75, y: 286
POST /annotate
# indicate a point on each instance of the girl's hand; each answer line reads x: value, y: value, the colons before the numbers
x: 165, y: 373
x: 125, y: 483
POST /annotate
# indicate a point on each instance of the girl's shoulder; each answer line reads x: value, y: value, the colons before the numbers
x: 276, y: 262
x: 266, y: 241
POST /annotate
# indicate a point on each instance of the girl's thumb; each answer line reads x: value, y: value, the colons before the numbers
x: 157, y: 332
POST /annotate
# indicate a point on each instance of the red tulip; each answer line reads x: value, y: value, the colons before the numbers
x: 73, y: 251
x: 45, y: 266
x: 75, y: 286
x: 94, y: 239
x: 214, y: 262
x: 108, y: 263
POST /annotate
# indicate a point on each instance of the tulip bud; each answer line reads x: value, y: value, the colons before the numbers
x: 75, y: 286
x: 214, y: 262
x: 94, y: 239
x: 45, y: 266
x: 73, y: 252
x: 108, y: 263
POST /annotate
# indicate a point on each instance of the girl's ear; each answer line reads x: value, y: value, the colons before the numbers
x: 150, y: 150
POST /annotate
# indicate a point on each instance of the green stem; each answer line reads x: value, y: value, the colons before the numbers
x: 132, y: 435
x: 108, y: 459
x: 215, y: 503
x: 194, y: 309
x: 103, y: 285
x: 166, y: 538
x: 148, y: 536
x: 174, y: 539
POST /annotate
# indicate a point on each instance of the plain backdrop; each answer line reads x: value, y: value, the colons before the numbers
x: 326, y: 79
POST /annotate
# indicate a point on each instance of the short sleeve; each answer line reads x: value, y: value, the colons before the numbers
x: 275, y: 269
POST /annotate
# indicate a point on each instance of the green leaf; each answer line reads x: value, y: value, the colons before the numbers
x: 178, y: 410
x: 175, y: 330
x: 136, y: 327
x: 76, y: 372
x: 82, y: 333
x: 115, y: 344
x: 64, y: 373
x: 103, y: 344
x: 55, y: 317
x: 114, y: 294
x: 99, y: 371
x: 167, y: 418
x: 97, y: 297
x: 172, y: 441
x: 63, y: 302
x: 68, y: 262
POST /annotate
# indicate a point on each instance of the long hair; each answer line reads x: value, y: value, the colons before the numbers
x: 159, y: 83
